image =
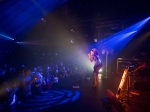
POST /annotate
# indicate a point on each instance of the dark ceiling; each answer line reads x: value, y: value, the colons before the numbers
x: 90, y: 19
x: 62, y: 21
x: 104, y: 12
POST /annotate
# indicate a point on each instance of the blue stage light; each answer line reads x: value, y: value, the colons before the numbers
x: 20, y: 42
x: 28, y: 42
x: 18, y: 21
x: 120, y: 39
x: 6, y: 37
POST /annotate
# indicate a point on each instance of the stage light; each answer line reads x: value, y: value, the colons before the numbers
x: 27, y: 42
x: 71, y: 41
x: 6, y: 37
x: 95, y: 40
x: 122, y: 82
x: 100, y: 70
x: 120, y: 39
x: 21, y: 22
x: 21, y: 43
x: 115, y: 43
x: 42, y: 19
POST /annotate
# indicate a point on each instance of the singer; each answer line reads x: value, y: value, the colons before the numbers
x: 94, y: 57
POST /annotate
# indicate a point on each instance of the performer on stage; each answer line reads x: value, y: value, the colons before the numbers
x: 94, y: 57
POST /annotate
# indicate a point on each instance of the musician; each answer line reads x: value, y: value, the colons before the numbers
x: 94, y: 57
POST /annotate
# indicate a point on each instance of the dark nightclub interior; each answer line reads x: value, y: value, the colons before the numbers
x: 44, y: 63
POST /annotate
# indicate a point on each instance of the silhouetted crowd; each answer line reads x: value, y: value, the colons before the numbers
x: 20, y: 83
